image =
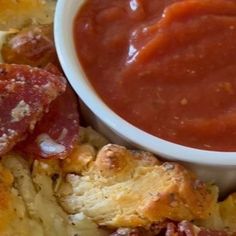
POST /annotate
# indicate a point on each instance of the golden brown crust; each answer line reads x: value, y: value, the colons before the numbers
x: 124, y: 188
x: 114, y: 160
x: 79, y: 159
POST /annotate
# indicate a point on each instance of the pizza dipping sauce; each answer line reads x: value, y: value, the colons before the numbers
x: 166, y: 66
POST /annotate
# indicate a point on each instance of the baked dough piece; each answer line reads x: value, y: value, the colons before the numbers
x: 123, y: 188
x: 17, y: 14
x: 14, y: 219
x: 223, y: 216
x: 28, y: 204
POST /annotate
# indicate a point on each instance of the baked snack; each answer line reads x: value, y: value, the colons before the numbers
x: 28, y: 203
x: 17, y: 14
x: 47, y: 196
x: 123, y: 188
x: 223, y: 216
x: 98, y: 184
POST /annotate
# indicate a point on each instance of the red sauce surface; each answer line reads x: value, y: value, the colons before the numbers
x: 166, y: 66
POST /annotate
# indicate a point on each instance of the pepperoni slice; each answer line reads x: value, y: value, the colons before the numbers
x: 25, y: 94
x: 57, y: 133
x: 31, y: 46
x: 186, y: 228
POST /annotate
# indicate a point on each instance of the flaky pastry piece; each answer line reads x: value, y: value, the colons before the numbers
x: 222, y: 216
x: 28, y: 205
x: 14, y: 219
x: 18, y: 13
x: 123, y: 188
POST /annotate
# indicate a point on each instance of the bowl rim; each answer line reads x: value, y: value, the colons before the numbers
x: 63, y: 34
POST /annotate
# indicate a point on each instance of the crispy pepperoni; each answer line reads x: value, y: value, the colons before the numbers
x: 57, y: 133
x: 25, y: 94
x: 32, y: 46
x: 184, y: 228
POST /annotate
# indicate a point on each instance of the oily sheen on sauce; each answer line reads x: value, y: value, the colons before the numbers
x: 168, y: 67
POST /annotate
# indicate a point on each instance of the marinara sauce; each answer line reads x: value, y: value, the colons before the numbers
x: 168, y: 67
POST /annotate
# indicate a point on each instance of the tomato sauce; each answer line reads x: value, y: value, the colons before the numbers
x: 166, y: 66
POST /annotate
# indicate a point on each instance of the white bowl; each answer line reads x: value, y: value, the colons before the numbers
x: 219, y: 167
